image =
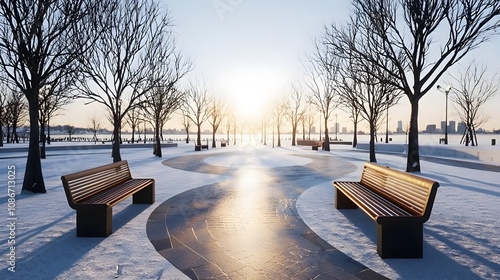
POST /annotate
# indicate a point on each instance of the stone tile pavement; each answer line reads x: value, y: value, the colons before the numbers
x: 247, y: 226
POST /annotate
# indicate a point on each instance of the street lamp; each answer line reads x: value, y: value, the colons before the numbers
x: 446, y: 91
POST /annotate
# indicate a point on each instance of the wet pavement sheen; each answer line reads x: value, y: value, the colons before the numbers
x: 247, y: 226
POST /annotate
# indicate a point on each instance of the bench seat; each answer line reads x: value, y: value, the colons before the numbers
x: 371, y: 203
x: 111, y: 197
x: 399, y: 202
x: 93, y: 193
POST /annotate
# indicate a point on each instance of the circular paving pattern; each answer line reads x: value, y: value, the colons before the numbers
x: 247, y: 226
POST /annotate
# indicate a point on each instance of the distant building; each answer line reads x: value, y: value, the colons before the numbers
x: 452, y: 127
x: 431, y: 128
x: 313, y: 129
x: 461, y: 128
x: 335, y: 129
x: 443, y: 126
x: 399, y: 130
x: 344, y: 130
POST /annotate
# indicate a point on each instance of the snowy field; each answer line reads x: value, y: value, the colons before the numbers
x: 461, y: 238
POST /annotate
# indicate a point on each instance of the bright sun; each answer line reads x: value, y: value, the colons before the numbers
x: 252, y: 90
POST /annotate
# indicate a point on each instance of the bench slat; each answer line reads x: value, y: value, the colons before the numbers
x: 406, y: 190
x: 373, y: 204
x: 84, y: 184
x: 112, y: 196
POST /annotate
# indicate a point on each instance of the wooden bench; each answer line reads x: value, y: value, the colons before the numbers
x: 316, y: 145
x: 93, y: 193
x: 400, y: 204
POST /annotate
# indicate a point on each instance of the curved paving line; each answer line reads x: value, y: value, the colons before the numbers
x: 248, y: 226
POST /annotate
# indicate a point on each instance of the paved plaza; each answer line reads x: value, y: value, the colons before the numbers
x: 251, y: 212
x: 247, y: 227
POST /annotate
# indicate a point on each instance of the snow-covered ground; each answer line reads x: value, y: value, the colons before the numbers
x: 461, y: 239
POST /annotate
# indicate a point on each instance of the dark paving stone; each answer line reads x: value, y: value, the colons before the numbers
x: 247, y: 226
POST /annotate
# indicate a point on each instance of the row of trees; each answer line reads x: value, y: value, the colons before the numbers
x: 389, y: 49
x: 119, y: 53
x: 13, y: 112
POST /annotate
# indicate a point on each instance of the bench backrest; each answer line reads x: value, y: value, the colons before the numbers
x: 81, y: 185
x: 412, y: 193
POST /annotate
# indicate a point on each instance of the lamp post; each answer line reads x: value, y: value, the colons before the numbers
x: 387, y: 120
x: 446, y: 92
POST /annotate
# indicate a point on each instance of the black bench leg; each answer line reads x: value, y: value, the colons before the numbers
x: 342, y: 201
x: 400, y: 240
x: 145, y: 196
x: 94, y: 221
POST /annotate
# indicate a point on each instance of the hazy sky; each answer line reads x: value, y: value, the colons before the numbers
x: 249, y: 51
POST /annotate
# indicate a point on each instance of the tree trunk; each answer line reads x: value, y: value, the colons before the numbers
x: 133, y: 134
x: 265, y: 135
x: 326, y: 143
x: 8, y: 134
x: 198, y: 135
x: 294, y: 131
x: 213, y: 140
x: 1, y: 135
x: 373, y: 128
x: 33, y: 177
x: 355, y: 136
x: 157, y: 140
x: 116, y: 140
x: 42, y: 140
x: 279, y: 137
x: 15, y: 139
x: 48, y: 131
x: 413, y: 160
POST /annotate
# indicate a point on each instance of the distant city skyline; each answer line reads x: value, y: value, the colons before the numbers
x: 249, y: 52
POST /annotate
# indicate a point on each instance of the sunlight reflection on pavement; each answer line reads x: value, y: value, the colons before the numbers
x: 247, y: 226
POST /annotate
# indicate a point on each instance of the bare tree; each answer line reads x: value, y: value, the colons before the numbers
x: 161, y: 103
x: 264, y: 124
x: 351, y: 106
x: 133, y: 119
x: 197, y: 106
x: 297, y: 109
x: 279, y: 112
x: 234, y: 129
x: 366, y: 89
x: 164, y: 99
x: 16, y: 113
x: 403, y: 33
x: 41, y: 40
x: 217, y: 113
x: 70, y: 130
x: 228, y: 124
x: 121, y: 64
x: 475, y: 88
x: 95, y: 126
x: 186, y: 123
x: 374, y: 95
x: 309, y: 120
x: 52, y: 98
x: 322, y: 74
